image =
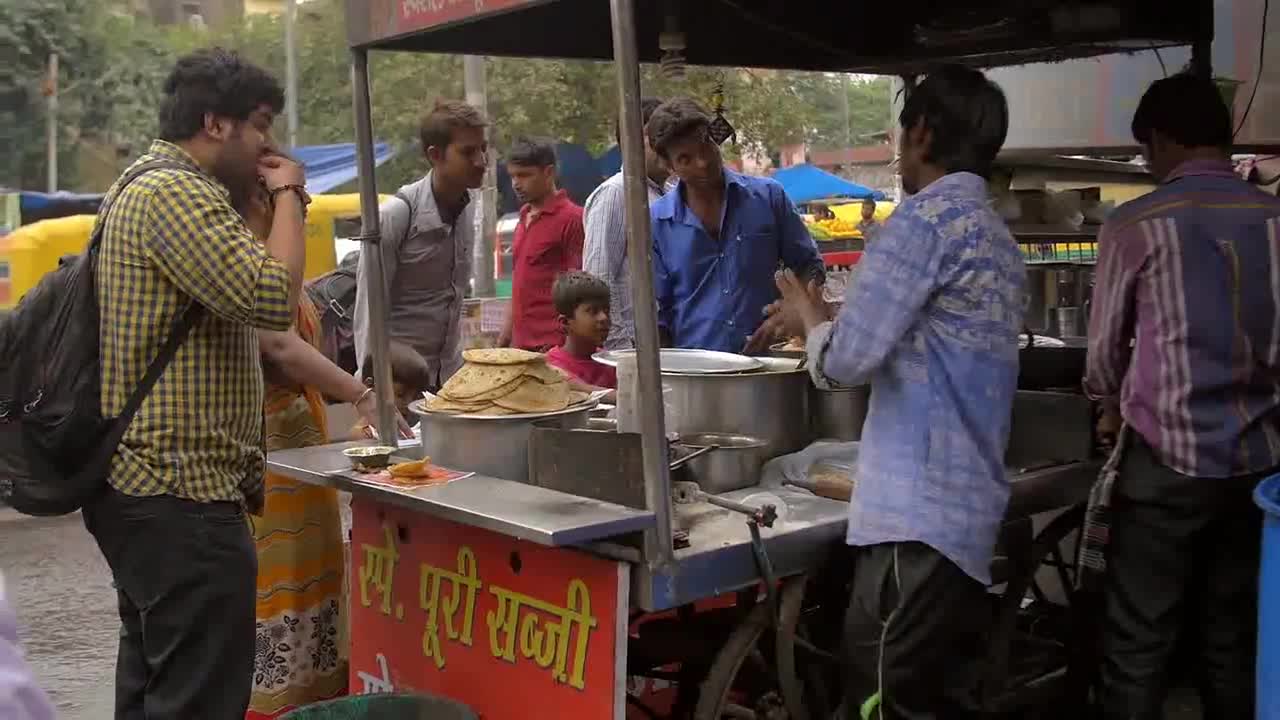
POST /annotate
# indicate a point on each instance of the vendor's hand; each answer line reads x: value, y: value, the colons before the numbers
x: 802, y: 302
x: 1108, y: 425
x: 771, y: 330
x: 367, y: 409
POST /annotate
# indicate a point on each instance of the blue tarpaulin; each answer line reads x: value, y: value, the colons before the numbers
x: 806, y: 182
x: 327, y: 167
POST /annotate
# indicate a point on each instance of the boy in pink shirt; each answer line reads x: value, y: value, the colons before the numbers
x: 582, y: 303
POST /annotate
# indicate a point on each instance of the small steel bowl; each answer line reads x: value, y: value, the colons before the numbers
x: 369, y: 458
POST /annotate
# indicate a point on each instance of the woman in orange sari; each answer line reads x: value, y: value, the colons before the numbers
x: 301, y: 560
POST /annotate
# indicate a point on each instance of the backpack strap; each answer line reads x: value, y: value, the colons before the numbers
x: 178, y: 333
x: 133, y: 173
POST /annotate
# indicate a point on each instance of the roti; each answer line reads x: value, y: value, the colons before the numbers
x: 493, y: 410
x: 489, y: 396
x: 501, y: 356
x: 473, y: 380
x: 577, y: 397
x: 535, y: 397
x: 544, y: 373
x: 445, y: 405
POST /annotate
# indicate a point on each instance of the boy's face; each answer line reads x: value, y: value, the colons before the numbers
x: 590, y: 321
x: 404, y: 396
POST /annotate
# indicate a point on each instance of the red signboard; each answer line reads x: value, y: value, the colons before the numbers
x: 424, y: 14
x: 508, y: 627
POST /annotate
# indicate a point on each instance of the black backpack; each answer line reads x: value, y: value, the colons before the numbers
x: 334, y: 295
x: 55, y: 445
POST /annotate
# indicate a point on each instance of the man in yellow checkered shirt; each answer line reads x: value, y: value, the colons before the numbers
x: 172, y: 526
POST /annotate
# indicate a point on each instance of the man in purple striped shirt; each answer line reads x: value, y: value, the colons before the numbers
x: 1184, y: 338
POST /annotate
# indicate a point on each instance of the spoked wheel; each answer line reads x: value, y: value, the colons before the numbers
x: 757, y: 675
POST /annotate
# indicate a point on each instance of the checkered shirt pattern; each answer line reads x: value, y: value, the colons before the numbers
x: 171, y: 237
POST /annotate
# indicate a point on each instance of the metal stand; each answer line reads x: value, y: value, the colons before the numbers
x: 371, y: 249
x: 657, y: 479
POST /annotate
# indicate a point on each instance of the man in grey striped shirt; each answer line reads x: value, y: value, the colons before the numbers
x: 604, y: 253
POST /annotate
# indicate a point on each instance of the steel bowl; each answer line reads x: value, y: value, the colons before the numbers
x: 369, y: 457
x: 734, y: 464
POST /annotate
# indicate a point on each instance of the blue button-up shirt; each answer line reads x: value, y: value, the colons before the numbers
x: 932, y: 323
x: 711, y: 293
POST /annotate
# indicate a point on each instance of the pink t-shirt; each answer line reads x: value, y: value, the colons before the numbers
x: 583, y: 368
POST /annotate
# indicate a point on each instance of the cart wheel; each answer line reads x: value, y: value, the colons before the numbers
x: 742, y: 683
x: 1044, y: 549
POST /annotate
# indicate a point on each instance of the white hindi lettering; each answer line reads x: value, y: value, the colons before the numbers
x: 373, y: 685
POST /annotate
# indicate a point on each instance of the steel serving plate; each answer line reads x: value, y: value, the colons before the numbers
x: 688, y: 362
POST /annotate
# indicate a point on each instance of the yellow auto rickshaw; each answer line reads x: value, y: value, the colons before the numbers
x: 33, y: 250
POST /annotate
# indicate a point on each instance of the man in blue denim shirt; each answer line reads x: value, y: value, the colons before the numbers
x: 932, y: 324
x: 718, y: 237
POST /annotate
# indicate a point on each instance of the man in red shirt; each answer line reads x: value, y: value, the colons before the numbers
x: 548, y: 242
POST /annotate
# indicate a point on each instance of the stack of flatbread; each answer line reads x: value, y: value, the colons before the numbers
x: 505, y: 381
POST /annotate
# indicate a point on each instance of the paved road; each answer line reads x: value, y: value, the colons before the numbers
x: 61, y: 589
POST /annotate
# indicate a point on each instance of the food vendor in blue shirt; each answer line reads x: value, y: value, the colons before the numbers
x: 718, y: 238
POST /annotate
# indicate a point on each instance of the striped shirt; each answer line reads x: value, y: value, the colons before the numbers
x: 604, y: 254
x: 170, y: 237
x: 1185, y: 324
x: 931, y: 323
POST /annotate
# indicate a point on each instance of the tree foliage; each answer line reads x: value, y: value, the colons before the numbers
x: 114, y: 64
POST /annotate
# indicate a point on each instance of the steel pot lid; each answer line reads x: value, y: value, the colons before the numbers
x: 687, y: 362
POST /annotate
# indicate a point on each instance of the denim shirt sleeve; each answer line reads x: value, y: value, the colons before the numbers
x: 796, y: 245
x: 897, y: 276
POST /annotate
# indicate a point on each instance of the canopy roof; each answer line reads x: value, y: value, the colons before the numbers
x: 806, y: 182
x: 832, y: 35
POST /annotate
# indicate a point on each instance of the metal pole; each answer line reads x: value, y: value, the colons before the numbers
x: 657, y: 480
x: 371, y: 249
x: 486, y: 217
x: 844, y: 109
x: 291, y: 72
x: 898, y: 91
x: 51, y: 125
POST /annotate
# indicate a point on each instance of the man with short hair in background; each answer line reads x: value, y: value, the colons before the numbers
x: 604, y: 252
x: 172, y: 525
x: 426, y: 239
x: 548, y: 242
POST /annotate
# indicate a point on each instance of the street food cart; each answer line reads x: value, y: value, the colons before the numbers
x: 551, y: 597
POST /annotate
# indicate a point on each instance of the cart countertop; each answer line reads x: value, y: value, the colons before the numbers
x: 523, y: 511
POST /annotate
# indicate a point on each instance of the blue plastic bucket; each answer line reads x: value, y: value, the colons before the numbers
x: 1267, y: 497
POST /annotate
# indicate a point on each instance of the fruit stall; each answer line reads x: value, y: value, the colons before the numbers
x: 543, y: 563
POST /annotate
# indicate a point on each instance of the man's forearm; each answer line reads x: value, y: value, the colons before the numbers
x: 287, y: 242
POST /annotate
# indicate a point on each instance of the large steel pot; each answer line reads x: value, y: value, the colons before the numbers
x: 838, y: 414
x: 496, y: 446
x: 771, y: 404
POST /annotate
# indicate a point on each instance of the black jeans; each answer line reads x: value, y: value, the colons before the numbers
x: 185, y: 576
x: 911, y: 628
x: 1183, y: 553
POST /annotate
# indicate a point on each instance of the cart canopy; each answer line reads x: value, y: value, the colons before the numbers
x: 847, y: 35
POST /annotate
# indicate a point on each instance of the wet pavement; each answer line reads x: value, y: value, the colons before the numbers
x: 61, y: 589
